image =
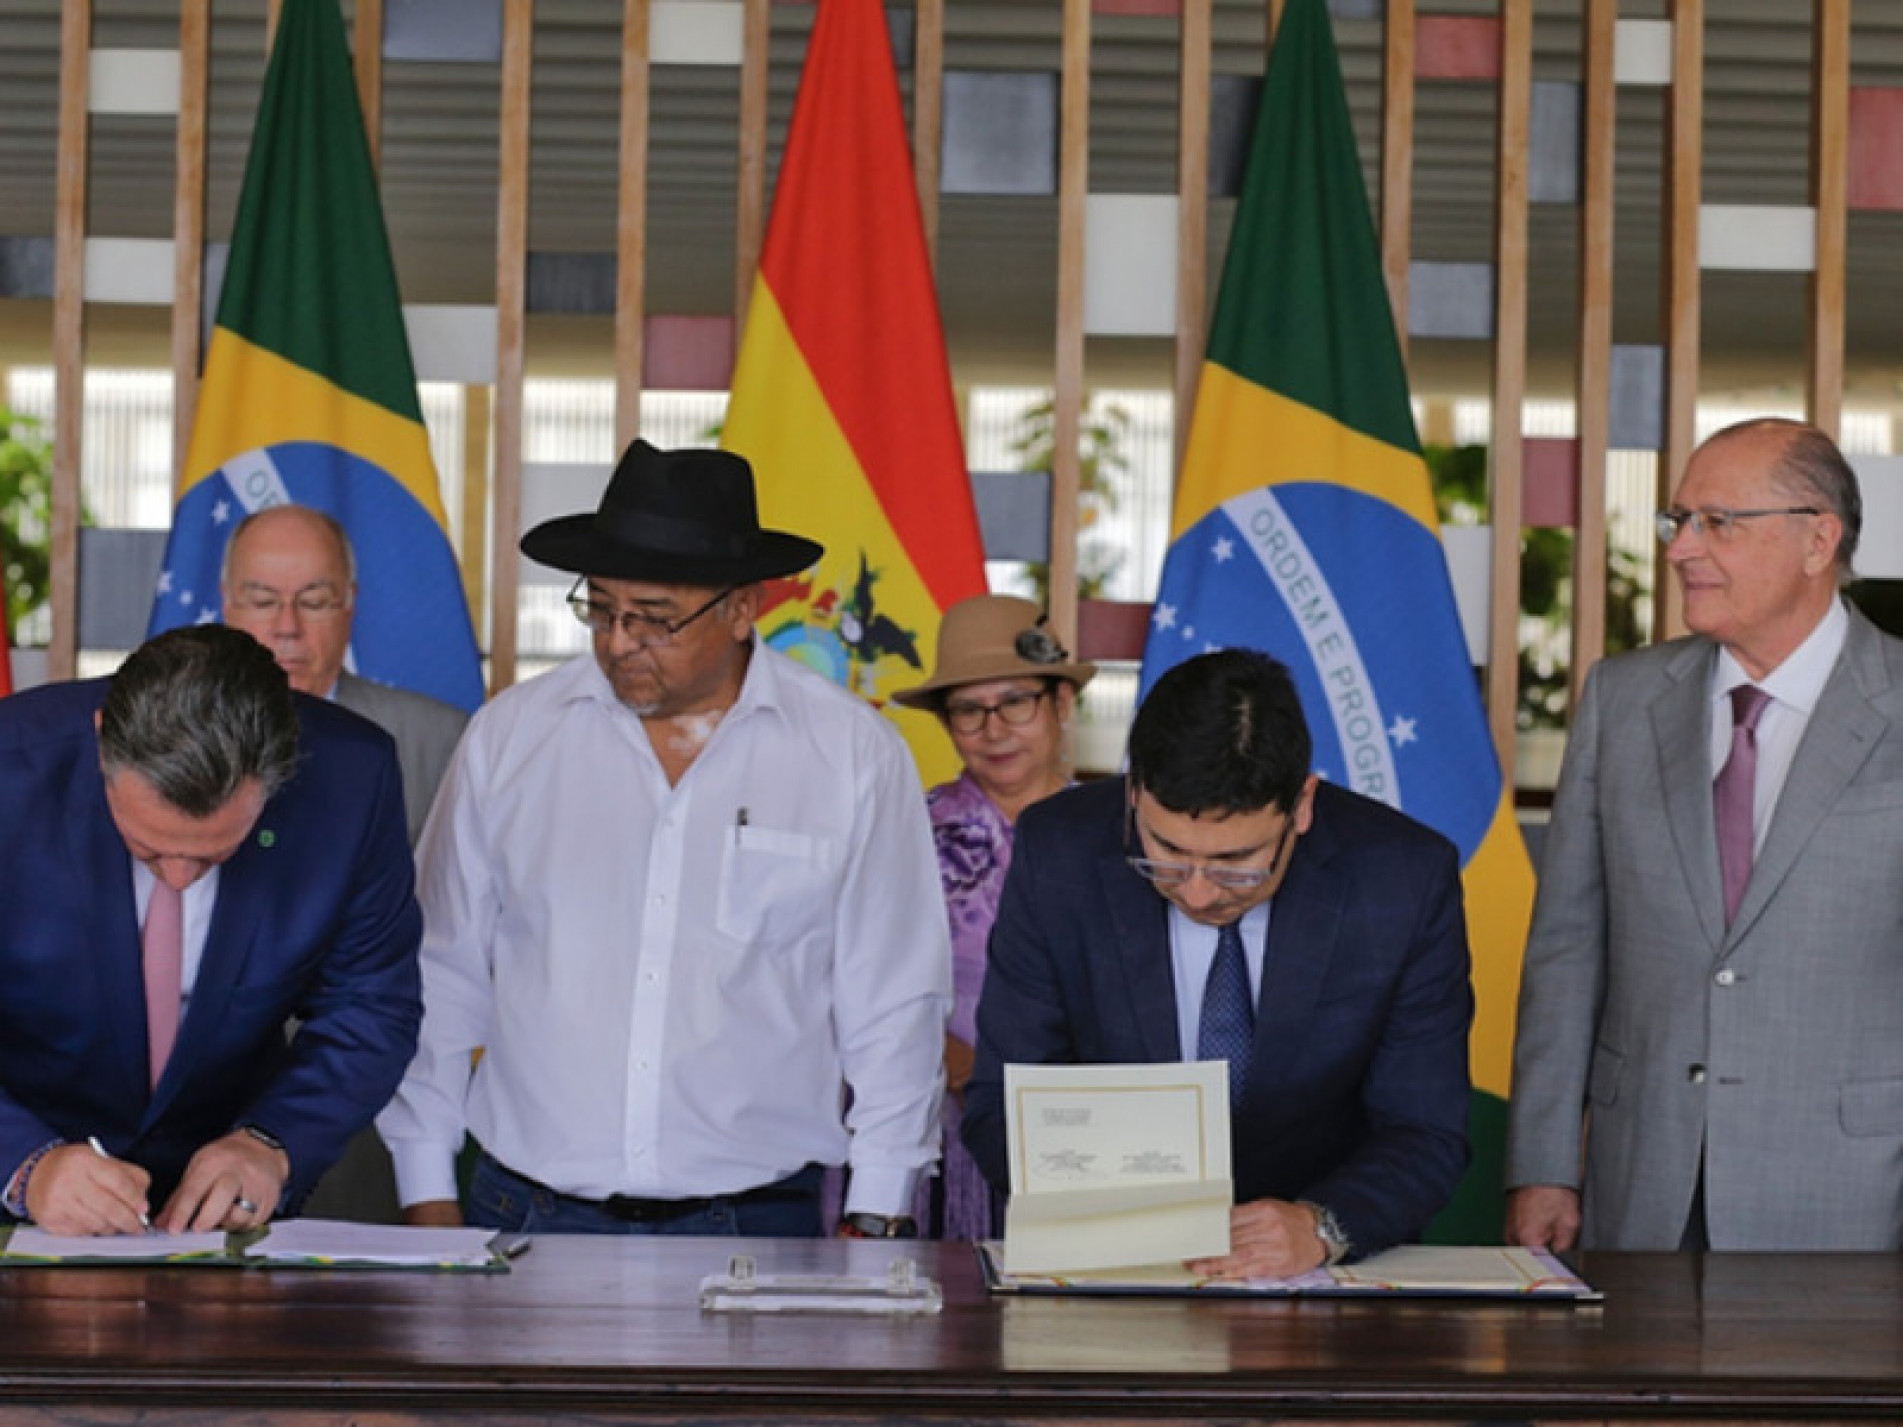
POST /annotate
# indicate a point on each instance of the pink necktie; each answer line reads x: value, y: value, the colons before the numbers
x: 1734, y: 792
x: 163, y: 943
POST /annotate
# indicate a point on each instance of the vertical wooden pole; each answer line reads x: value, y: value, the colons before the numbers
x: 1595, y: 337
x: 1829, y: 194
x: 477, y: 414
x: 69, y: 331
x: 928, y: 112
x: 750, y: 215
x: 1685, y: 122
x: 1073, y: 173
x: 1509, y: 374
x: 368, y: 43
x: 512, y: 231
x: 1397, y: 158
x: 188, y: 225
x: 631, y: 226
x: 1192, y: 220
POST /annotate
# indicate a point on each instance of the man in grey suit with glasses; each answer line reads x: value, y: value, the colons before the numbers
x: 1710, y: 1047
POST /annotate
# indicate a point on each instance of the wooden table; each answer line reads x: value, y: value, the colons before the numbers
x: 598, y: 1330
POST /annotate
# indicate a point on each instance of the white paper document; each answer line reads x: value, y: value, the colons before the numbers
x: 335, y: 1241
x: 1116, y: 1165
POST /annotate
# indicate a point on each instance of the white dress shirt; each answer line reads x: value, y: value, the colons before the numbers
x: 675, y: 986
x: 1794, y: 687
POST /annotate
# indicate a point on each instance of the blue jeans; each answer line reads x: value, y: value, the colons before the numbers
x: 499, y: 1198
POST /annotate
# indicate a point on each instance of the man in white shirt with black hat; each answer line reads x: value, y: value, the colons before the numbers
x: 676, y: 894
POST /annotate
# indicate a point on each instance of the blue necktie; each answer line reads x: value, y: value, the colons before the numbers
x: 1227, y: 1031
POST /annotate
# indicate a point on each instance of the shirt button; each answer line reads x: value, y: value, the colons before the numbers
x: 1696, y: 1075
x: 1726, y: 977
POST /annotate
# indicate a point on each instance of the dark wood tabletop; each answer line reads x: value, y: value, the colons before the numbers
x: 588, y: 1329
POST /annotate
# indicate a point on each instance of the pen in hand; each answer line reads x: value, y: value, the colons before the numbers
x: 100, y: 1150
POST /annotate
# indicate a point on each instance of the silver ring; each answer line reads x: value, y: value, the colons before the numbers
x: 244, y: 1205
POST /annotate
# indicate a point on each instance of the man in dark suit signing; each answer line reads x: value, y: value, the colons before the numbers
x: 200, y: 855
x: 1221, y: 902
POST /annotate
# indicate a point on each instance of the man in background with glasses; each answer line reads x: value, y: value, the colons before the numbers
x: 1222, y: 903
x: 1710, y: 1042
x: 681, y: 893
x: 289, y: 580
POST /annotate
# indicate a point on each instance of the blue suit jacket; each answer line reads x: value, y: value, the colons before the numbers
x: 315, y: 918
x: 1358, y: 1084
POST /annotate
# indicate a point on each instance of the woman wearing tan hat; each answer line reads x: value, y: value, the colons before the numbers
x: 1004, y: 688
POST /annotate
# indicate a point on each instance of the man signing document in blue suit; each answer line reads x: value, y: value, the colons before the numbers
x: 1223, y: 903
x: 194, y: 856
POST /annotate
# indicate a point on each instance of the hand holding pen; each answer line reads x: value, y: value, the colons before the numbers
x: 80, y: 1189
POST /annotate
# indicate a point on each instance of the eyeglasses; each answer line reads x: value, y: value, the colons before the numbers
x: 316, y: 602
x: 1230, y: 879
x: 634, y: 624
x: 969, y: 716
x: 1715, y: 522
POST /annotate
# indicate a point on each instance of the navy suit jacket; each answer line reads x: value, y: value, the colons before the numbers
x: 315, y: 918
x: 1358, y: 1085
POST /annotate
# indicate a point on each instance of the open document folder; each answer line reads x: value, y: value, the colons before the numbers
x: 1116, y: 1165
x: 1411, y: 1271
x: 285, y: 1243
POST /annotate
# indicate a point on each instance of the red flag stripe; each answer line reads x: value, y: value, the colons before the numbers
x: 845, y: 256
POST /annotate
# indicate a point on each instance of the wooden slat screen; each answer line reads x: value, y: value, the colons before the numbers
x: 492, y: 486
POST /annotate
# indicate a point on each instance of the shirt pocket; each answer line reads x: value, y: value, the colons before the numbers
x: 775, y: 887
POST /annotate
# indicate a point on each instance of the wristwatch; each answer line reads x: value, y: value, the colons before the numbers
x: 878, y: 1226
x: 265, y: 1138
x: 1335, y: 1243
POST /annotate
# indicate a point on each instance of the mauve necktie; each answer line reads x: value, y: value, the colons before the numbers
x: 1734, y: 792
x: 1227, y: 1031
x: 163, y: 946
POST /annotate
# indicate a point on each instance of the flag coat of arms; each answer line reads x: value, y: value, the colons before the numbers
x: 1305, y: 527
x: 309, y: 396
x: 842, y: 396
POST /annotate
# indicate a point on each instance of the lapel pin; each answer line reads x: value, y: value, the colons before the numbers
x: 267, y: 838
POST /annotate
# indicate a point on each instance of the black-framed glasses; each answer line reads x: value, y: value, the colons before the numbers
x: 638, y: 625
x: 1016, y: 710
x: 1230, y: 879
x: 1715, y: 522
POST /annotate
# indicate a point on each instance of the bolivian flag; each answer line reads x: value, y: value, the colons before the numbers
x: 842, y: 395
x: 308, y: 395
x: 1305, y: 526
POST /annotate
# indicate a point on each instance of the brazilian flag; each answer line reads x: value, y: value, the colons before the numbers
x: 1305, y: 527
x: 308, y: 395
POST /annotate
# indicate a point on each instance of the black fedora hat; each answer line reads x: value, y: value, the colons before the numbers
x: 675, y: 518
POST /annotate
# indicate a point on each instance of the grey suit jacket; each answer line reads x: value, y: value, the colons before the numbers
x: 425, y: 729
x: 1650, y: 1035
